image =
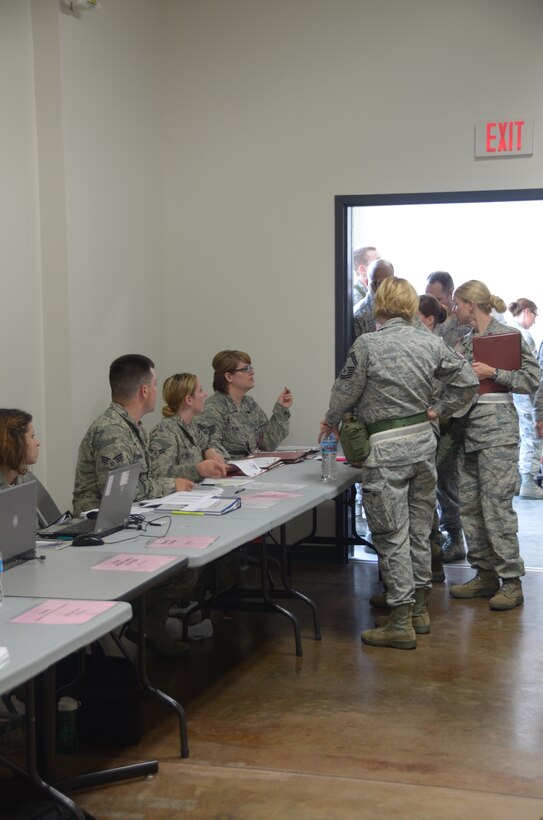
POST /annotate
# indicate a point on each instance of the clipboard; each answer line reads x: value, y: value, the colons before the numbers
x: 501, y: 350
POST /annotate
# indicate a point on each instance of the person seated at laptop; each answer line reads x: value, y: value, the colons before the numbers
x: 234, y: 423
x: 176, y: 445
x: 19, y: 447
x: 118, y: 437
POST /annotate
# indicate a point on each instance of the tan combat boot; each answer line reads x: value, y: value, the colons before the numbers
x: 509, y: 596
x: 485, y: 584
x: 397, y: 632
x: 421, y: 618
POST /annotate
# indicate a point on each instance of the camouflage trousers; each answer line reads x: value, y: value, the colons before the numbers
x: 531, y: 446
x: 486, y: 484
x: 447, y: 494
x: 399, y: 501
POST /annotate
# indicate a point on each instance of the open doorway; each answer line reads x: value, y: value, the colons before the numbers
x: 487, y: 235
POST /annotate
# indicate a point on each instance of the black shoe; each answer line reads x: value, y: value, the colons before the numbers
x: 453, y: 549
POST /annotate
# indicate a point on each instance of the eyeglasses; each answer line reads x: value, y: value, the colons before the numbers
x: 247, y: 369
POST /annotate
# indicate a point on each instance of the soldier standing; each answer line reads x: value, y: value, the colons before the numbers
x: 390, y: 377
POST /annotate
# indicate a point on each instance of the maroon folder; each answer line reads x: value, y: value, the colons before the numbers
x: 502, y: 351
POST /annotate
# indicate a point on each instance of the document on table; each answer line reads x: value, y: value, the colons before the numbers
x: 199, y: 542
x: 131, y: 562
x: 201, y: 503
x: 60, y: 612
x: 266, y: 499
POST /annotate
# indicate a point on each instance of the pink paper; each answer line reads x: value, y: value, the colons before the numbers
x: 63, y: 612
x: 132, y: 562
x: 199, y: 542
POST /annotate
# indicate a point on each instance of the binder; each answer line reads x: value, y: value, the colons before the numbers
x: 502, y: 350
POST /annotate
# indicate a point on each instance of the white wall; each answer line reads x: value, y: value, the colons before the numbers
x: 20, y: 326
x: 188, y: 157
x: 271, y: 109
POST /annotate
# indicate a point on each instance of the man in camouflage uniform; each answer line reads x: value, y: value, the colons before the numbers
x: 235, y: 425
x: 363, y: 319
x: 441, y: 286
x: 389, y: 377
x: 361, y: 260
x: 118, y: 437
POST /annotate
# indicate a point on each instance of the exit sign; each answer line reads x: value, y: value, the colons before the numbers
x: 504, y: 138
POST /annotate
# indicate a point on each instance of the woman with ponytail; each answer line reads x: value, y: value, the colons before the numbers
x: 487, y: 458
x: 177, y: 447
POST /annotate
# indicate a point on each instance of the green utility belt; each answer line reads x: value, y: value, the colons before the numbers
x: 392, y: 424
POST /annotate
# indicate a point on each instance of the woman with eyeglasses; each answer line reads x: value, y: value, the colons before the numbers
x: 487, y: 458
x: 19, y: 447
x: 234, y: 423
x: 177, y: 447
x: 524, y: 315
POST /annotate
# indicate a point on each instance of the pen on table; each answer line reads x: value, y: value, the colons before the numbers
x: 185, y: 512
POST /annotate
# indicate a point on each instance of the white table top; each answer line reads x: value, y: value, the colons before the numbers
x: 35, y: 647
x: 68, y: 573
x: 243, y: 525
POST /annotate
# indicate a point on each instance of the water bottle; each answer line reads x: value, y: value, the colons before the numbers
x: 1, y: 580
x: 329, y: 458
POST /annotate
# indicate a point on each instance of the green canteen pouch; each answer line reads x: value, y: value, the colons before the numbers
x: 355, y: 441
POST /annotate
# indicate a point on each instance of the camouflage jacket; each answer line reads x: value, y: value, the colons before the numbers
x: 496, y: 424
x: 175, y: 448
x: 392, y: 374
x: 112, y: 440
x: 363, y: 319
x: 452, y: 332
x: 21, y: 479
x: 236, y: 431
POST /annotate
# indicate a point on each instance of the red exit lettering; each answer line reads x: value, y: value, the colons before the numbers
x: 504, y: 136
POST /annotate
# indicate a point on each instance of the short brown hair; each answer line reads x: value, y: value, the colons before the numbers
x: 128, y: 373
x: 13, y: 428
x: 224, y: 362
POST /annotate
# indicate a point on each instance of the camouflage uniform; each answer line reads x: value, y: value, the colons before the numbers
x: 363, y: 319
x: 175, y: 448
x: 452, y: 333
x: 238, y: 430
x: 487, y: 467
x: 359, y: 292
x: 391, y: 375
x: 112, y: 440
x: 531, y: 446
x: 21, y: 479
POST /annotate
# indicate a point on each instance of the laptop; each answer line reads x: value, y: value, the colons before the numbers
x: 18, y: 524
x: 114, y: 513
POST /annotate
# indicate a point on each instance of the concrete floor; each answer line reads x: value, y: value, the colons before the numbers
x: 453, y: 729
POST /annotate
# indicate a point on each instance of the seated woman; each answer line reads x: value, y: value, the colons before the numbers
x: 234, y: 423
x: 176, y: 446
x: 19, y: 447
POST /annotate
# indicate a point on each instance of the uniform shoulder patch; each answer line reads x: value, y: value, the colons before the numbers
x: 349, y: 367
